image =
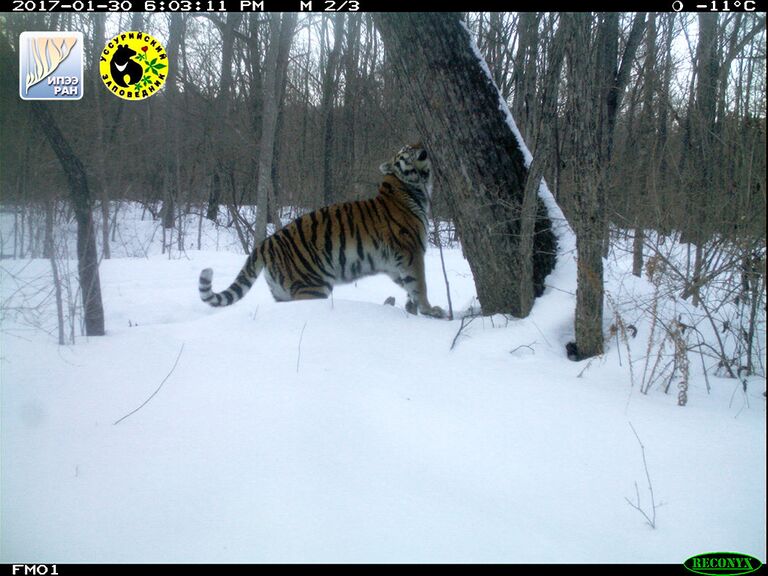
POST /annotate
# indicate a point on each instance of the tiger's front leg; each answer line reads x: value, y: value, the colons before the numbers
x: 413, y: 280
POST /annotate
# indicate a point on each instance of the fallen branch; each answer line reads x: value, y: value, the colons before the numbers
x: 156, y: 391
x: 529, y: 346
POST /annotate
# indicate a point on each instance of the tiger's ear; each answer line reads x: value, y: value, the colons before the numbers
x: 386, y: 168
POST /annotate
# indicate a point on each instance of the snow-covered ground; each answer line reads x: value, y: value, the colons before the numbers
x: 348, y: 431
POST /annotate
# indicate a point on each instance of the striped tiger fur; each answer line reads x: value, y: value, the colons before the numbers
x: 343, y: 242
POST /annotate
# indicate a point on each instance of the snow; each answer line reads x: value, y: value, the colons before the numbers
x: 348, y: 431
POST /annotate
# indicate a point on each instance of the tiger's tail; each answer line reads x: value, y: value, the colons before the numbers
x: 239, y: 288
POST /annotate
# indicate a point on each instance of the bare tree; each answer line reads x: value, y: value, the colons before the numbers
x: 647, y: 144
x: 525, y: 71
x: 98, y: 97
x: 171, y: 174
x: 541, y: 113
x: 596, y: 81
x: 281, y: 32
x: 329, y: 81
x: 223, y: 171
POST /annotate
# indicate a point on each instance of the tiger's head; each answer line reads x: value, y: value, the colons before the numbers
x: 411, y: 165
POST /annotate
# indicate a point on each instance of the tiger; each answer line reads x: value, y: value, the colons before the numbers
x: 343, y: 242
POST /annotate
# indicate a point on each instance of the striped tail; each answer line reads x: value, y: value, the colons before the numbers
x: 239, y: 287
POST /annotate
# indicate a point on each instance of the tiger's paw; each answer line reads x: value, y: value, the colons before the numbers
x: 434, y: 312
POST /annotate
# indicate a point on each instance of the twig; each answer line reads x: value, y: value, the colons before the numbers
x: 445, y: 274
x: 651, y: 520
x: 529, y: 346
x: 298, y: 356
x: 465, y: 321
x: 589, y: 363
x: 733, y: 395
x: 156, y: 391
x: 540, y: 332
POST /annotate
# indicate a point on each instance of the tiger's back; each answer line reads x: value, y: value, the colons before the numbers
x: 346, y: 241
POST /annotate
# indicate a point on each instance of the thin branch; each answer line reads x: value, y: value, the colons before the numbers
x: 298, y: 356
x: 652, y: 519
x: 589, y: 363
x: 529, y: 346
x: 156, y: 391
x: 465, y: 321
x: 442, y: 263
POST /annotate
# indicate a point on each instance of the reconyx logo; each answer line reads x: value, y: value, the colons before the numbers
x: 722, y: 563
x: 133, y: 65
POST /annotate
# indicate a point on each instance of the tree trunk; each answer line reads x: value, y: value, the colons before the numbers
x: 586, y: 110
x: 525, y: 72
x: 477, y: 159
x: 595, y: 83
x: 171, y: 181
x: 50, y: 253
x: 87, y: 259
x: 647, y: 151
x: 349, y: 108
x: 703, y: 129
x: 542, y: 117
x: 274, y: 76
x: 287, y: 30
x: 222, y: 103
x: 98, y: 97
x: 329, y: 82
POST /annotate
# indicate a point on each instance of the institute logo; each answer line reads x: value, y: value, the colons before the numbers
x: 133, y: 65
x: 51, y: 65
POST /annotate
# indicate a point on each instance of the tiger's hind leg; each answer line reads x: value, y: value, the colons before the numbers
x: 410, y: 305
x: 311, y: 293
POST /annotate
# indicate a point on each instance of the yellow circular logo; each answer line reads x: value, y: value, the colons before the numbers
x: 133, y: 65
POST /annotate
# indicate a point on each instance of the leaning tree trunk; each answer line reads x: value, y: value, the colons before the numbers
x: 87, y: 260
x: 478, y: 162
